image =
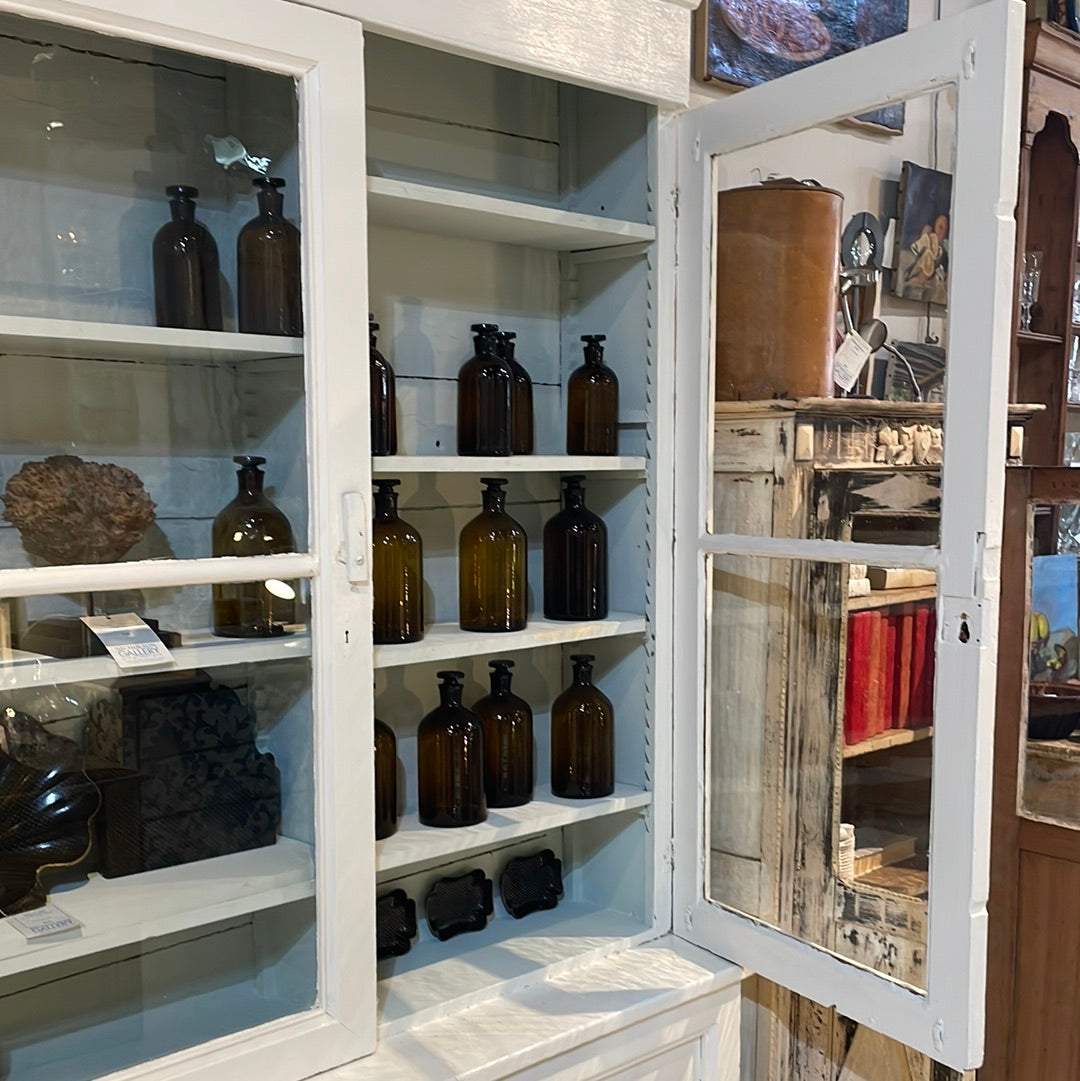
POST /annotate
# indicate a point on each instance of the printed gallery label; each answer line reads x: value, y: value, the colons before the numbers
x: 44, y: 922
x: 130, y: 642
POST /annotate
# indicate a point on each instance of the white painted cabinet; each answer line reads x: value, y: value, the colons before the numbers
x: 446, y: 166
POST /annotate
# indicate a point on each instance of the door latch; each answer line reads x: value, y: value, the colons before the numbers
x: 357, y: 559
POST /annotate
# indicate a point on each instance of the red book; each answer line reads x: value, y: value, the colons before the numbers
x: 855, y: 681
x: 888, y: 680
x: 905, y: 627
x: 919, y: 671
x: 931, y: 664
x: 875, y: 671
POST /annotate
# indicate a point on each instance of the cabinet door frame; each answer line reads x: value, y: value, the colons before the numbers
x: 979, y: 53
x: 323, y: 52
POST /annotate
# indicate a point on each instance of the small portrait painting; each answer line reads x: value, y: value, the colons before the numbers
x: 922, y: 235
x: 747, y: 42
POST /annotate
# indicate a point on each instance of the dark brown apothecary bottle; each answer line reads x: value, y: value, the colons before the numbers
x: 575, y: 559
x: 523, y: 437
x: 485, y: 399
x: 252, y: 526
x: 268, y: 293
x: 592, y: 403
x: 450, y: 760
x: 386, y: 799
x: 508, y: 741
x: 582, y: 738
x: 383, y: 399
x: 492, y: 575
x: 187, y: 285
x: 397, y: 571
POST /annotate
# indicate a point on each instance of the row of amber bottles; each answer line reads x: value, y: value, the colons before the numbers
x: 492, y: 565
x: 187, y: 284
x: 495, y: 400
x: 470, y: 760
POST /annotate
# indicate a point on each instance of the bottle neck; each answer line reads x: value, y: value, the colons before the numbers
x: 250, y: 480
x: 500, y: 682
x: 386, y: 503
x: 494, y: 501
x: 271, y: 202
x: 583, y: 675
x: 485, y: 345
x: 182, y: 209
x: 573, y: 498
x: 594, y: 356
x: 450, y: 695
x: 372, y: 341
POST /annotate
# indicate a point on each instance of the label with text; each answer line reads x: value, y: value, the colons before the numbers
x: 130, y: 642
x: 44, y: 922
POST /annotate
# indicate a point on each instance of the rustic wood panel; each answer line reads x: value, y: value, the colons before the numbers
x: 1047, y: 1036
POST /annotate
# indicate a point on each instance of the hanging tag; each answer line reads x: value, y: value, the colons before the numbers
x: 130, y: 642
x: 44, y: 922
x: 850, y: 360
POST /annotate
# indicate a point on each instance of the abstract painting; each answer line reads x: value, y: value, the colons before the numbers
x: 747, y: 42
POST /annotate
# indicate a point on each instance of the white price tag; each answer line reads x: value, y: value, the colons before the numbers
x: 44, y: 923
x: 850, y: 360
x: 130, y: 642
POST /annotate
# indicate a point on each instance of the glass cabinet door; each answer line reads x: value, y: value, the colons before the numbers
x: 174, y: 625
x: 838, y: 537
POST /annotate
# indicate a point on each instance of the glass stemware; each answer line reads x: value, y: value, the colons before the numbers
x: 1029, y: 287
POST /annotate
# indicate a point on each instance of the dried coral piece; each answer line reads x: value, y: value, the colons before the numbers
x: 70, y: 511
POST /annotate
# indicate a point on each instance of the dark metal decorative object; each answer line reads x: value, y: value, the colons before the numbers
x: 531, y: 883
x: 395, y: 924
x: 47, y: 808
x: 457, y: 905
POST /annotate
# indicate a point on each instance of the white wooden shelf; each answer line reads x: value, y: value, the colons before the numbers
x: 35, y: 337
x: 415, y: 845
x: 518, y: 463
x: 449, y: 212
x: 121, y: 911
x: 446, y: 641
x: 433, y: 977
x: 201, y: 650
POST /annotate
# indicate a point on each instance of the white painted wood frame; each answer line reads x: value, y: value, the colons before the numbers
x: 323, y: 52
x: 980, y: 53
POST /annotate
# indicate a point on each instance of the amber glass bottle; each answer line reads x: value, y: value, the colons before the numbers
x: 508, y: 741
x: 523, y: 437
x: 383, y: 399
x: 268, y: 295
x: 582, y: 738
x: 187, y: 287
x: 252, y: 526
x: 450, y: 760
x: 492, y: 585
x: 397, y: 571
x: 575, y: 559
x: 485, y: 418
x: 386, y: 801
x: 592, y: 403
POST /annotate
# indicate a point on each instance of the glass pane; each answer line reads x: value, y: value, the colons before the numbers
x: 182, y: 841
x: 820, y: 746
x: 829, y: 379
x: 154, y: 408
x: 128, y: 453
x: 1050, y: 779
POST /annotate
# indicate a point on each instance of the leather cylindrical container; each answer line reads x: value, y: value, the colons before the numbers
x: 777, y: 279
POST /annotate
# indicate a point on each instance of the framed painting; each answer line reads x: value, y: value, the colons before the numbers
x: 922, y: 235
x: 746, y: 42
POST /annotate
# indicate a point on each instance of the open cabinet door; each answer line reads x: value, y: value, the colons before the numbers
x: 811, y: 721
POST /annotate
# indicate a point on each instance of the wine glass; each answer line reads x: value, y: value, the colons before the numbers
x: 1029, y: 286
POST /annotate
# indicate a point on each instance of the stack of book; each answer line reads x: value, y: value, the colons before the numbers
x: 889, y: 682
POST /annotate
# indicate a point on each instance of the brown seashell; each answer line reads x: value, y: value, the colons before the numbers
x: 70, y: 511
